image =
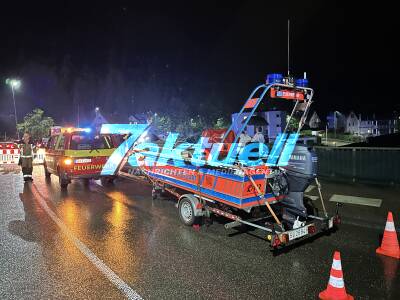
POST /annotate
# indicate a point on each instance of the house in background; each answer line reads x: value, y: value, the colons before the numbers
x: 352, y: 124
x: 314, y: 122
x: 274, y: 123
x: 369, y: 126
x: 139, y: 118
x: 387, y: 126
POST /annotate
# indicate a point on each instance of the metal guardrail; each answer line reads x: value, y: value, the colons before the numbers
x: 364, y: 164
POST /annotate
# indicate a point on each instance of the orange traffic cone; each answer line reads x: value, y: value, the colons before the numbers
x: 390, y: 244
x: 335, y: 289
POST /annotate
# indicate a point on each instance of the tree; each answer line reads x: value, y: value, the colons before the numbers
x: 164, y: 123
x: 197, y: 124
x: 36, y: 124
x: 221, y: 123
x: 293, y: 122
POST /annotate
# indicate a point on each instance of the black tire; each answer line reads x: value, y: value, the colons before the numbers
x: 107, y: 180
x: 46, y: 172
x: 63, y: 181
x: 186, y: 212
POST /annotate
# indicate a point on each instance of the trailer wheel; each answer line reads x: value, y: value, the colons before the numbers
x: 186, y: 212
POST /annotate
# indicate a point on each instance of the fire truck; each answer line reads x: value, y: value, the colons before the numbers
x: 77, y: 153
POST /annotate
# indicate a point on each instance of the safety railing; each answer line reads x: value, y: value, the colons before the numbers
x: 363, y: 164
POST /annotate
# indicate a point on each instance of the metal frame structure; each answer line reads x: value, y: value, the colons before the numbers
x: 266, y: 88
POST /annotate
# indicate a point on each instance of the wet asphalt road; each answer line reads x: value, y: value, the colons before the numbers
x: 144, y: 243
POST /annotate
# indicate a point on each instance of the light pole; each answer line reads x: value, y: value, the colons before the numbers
x: 14, y: 84
x: 335, y: 120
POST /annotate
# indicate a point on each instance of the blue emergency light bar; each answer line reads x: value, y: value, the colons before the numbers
x: 302, y: 82
x: 274, y: 78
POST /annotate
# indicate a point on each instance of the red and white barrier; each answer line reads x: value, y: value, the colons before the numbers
x: 38, y: 157
x: 9, y: 154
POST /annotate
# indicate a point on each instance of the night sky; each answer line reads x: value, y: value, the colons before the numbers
x: 192, y: 57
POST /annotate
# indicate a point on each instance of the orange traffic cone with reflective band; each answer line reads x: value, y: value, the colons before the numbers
x: 390, y: 244
x: 335, y: 289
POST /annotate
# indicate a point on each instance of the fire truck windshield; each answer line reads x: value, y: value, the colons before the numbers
x: 82, y: 141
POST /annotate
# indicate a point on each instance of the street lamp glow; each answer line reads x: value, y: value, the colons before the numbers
x: 14, y: 83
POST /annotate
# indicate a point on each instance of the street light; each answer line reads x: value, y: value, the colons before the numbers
x: 96, y: 111
x: 15, y: 85
x: 335, y: 120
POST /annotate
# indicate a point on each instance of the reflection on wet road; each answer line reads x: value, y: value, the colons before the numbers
x: 143, y: 242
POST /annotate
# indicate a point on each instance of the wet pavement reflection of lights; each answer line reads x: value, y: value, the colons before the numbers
x: 119, y: 213
x: 70, y: 213
x: 120, y: 254
x: 68, y: 210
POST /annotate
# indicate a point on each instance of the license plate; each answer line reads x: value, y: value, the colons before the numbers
x: 83, y: 160
x: 297, y: 233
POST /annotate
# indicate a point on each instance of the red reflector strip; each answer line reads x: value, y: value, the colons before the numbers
x: 251, y: 103
x: 276, y: 241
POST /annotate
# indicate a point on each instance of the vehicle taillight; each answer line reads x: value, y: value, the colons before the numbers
x: 311, y: 229
x: 337, y: 220
x: 284, y: 238
x: 276, y: 241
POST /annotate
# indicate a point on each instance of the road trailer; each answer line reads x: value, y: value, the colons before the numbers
x: 266, y: 193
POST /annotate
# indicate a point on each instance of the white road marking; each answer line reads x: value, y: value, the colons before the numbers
x: 309, y: 188
x: 97, y: 262
x: 356, y: 200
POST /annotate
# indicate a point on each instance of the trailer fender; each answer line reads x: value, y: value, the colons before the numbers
x: 197, y: 205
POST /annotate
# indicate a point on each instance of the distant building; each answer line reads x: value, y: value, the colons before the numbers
x: 369, y: 126
x: 315, y: 121
x: 275, y: 122
x: 352, y: 124
x: 387, y: 126
x: 139, y: 118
